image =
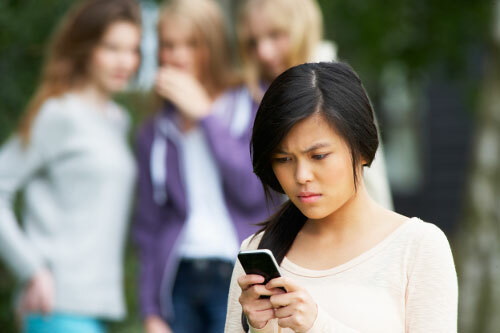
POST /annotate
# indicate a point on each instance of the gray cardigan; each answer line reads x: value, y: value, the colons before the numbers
x: 78, y: 175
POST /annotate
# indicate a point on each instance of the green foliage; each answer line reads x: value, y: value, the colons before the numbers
x: 417, y: 33
x: 24, y: 28
x: 6, y: 294
x: 133, y: 322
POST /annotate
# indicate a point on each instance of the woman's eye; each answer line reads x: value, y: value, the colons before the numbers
x: 319, y: 156
x: 166, y: 45
x: 281, y: 159
x: 110, y: 47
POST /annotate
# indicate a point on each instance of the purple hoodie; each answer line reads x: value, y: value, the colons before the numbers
x: 162, y: 206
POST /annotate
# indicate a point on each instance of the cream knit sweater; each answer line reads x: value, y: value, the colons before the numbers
x: 406, y: 283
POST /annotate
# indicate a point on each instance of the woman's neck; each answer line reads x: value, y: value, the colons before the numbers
x: 349, y: 220
x: 94, y: 95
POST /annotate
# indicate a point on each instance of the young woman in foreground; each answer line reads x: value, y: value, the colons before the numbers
x: 347, y: 264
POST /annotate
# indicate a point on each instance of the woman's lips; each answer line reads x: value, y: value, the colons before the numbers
x: 309, y: 197
x: 120, y: 77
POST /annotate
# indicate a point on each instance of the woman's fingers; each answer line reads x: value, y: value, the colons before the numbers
x: 165, y: 87
x: 256, y: 291
x: 293, y: 309
x: 282, y: 300
x: 296, y: 310
x: 259, y: 319
x: 46, y: 301
x: 284, y: 312
x: 30, y: 300
x: 38, y: 295
x: 290, y: 322
x: 166, y: 83
x: 257, y: 305
x: 289, y: 307
x: 184, y: 91
x: 284, y: 282
x: 246, y: 281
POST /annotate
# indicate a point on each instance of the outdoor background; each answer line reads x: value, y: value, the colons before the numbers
x: 432, y: 70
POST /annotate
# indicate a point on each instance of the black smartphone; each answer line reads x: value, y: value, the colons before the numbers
x: 260, y: 262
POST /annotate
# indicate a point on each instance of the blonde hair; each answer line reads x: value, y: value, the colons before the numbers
x: 300, y: 19
x: 69, y: 52
x: 209, y: 28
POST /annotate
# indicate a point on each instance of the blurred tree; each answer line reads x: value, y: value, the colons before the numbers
x: 479, y: 234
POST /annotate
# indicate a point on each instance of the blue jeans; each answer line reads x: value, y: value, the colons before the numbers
x: 61, y: 323
x: 200, y: 295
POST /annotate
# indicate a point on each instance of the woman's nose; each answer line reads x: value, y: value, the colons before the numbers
x: 303, y: 173
x: 265, y: 50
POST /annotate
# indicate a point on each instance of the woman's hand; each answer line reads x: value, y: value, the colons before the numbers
x: 155, y: 324
x: 294, y: 309
x: 38, y: 296
x: 257, y: 310
x: 184, y: 91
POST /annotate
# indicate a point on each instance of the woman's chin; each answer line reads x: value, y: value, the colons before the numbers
x: 314, y: 213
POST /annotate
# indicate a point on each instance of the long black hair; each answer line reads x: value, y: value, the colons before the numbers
x: 333, y: 90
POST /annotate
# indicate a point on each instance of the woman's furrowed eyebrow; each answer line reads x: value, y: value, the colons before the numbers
x: 316, y: 146
x: 308, y: 150
x: 280, y: 151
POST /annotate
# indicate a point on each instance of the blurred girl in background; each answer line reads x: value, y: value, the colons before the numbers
x: 198, y: 197
x: 274, y: 35
x: 70, y: 157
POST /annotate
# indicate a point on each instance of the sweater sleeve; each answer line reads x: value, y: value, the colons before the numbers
x: 432, y: 291
x: 18, y: 164
x: 145, y: 228
x: 232, y: 155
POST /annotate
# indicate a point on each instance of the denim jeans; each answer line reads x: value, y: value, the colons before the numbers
x: 200, y: 295
x: 62, y: 323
